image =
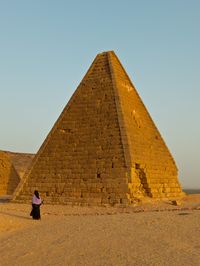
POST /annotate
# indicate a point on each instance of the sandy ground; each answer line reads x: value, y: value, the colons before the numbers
x: 148, y: 234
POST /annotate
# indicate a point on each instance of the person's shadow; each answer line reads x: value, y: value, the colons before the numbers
x: 15, y: 215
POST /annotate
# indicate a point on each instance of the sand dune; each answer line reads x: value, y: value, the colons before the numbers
x: 143, y: 235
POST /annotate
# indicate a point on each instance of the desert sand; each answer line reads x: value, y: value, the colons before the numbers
x: 148, y: 234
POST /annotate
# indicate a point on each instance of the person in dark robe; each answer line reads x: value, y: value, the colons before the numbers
x: 36, y: 202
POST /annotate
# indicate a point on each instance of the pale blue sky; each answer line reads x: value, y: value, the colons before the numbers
x: 47, y: 46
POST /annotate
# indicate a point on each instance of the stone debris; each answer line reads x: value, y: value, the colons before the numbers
x: 176, y: 202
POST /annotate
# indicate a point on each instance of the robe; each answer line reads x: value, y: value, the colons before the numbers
x: 35, y: 212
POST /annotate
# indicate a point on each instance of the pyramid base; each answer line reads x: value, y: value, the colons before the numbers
x: 127, y: 200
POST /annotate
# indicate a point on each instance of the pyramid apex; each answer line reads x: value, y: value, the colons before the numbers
x: 107, y: 52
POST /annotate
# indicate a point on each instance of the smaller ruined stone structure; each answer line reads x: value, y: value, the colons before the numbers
x: 9, y: 178
x: 104, y: 147
x: 21, y: 161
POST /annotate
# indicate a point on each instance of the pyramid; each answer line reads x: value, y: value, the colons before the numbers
x: 9, y: 178
x: 104, y: 148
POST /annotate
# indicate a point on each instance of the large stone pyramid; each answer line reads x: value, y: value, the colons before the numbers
x: 104, y: 147
x: 9, y: 178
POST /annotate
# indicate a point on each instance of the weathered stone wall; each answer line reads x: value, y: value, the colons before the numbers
x: 9, y: 179
x: 104, y: 148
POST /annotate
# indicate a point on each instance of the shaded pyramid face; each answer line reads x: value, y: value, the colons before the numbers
x: 104, y: 147
x: 9, y: 178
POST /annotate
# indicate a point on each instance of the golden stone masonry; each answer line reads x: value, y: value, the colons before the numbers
x: 9, y: 178
x: 104, y: 147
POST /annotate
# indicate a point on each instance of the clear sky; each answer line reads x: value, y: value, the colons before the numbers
x: 46, y: 47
